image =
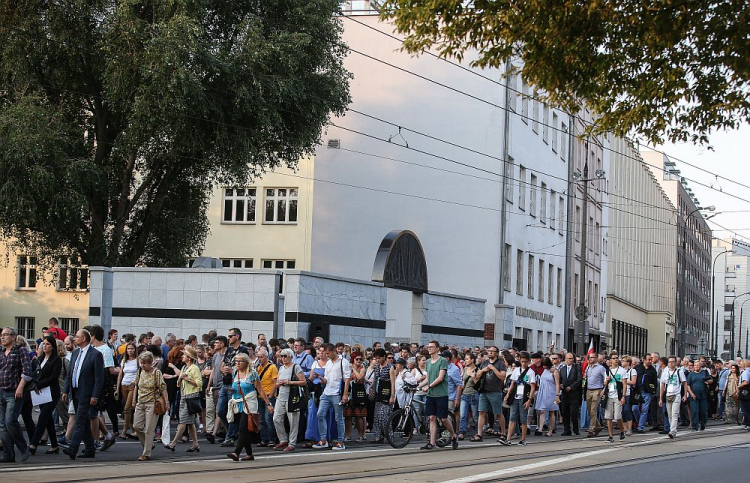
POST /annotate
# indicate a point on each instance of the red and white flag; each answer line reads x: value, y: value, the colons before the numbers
x: 585, y: 363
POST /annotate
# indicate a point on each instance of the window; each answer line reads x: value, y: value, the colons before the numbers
x: 519, y: 272
x: 545, y: 123
x: 72, y: 276
x: 237, y: 262
x: 540, y: 294
x: 559, y: 287
x: 530, y: 285
x: 550, y: 284
x: 535, y: 113
x: 239, y: 205
x: 561, y: 216
x: 552, y: 209
x: 512, y: 87
x: 575, y: 291
x: 69, y: 324
x: 507, y: 268
x: 597, y: 238
x: 509, y: 180
x: 522, y: 188
x: 532, y: 195
x: 543, y: 204
x: 579, y: 222
x: 555, y: 131
x: 540, y: 340
x: 524, y: 102
x: 289, y: 264
x: 26, y: 273
x: 563, y: 142
x: 25, y: 327
x: 281, y: 205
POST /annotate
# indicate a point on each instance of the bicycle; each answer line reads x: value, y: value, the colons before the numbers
x: 400, y: 426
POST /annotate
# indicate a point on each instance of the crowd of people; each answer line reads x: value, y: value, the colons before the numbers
x: 284, y: 394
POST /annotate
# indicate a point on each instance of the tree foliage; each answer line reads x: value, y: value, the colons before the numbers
x: 117, y: 117
x: 664, y: 69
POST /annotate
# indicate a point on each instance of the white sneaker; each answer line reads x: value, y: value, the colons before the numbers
x: 338, y: 447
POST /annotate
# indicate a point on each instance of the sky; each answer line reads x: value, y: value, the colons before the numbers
x: 729, y: 158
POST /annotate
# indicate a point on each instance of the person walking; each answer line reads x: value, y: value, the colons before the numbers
x: 49, y: 379
x: 246, y: 390
x: 571, y: 382
x: 125, y: 387
x: 15, y: 372
x: 190, y: 381
x: 291, y: 377
x: 469, y: 395
x: 743, y: 387
x: 594, y: 385
x: 672, y: 385
x: 437, y: 396
x: 382, y: 388
x: 697, y: 385
x: 548, y: 399
x: 730, y: 394
x: 148, y: 387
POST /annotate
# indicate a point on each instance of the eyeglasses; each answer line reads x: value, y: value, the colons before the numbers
x: 358, y: 359
x: 4, y: 334
x: 232, y: 335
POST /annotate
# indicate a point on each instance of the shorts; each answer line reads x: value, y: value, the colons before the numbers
x: 491, y: 401
x: 518, y: 412
x: 436, y: 406
x: 613, y: 410
x: 355, y: 411
x: 627, y: 412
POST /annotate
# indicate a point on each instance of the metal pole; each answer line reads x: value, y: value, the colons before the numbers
x: 504, y: 193
x: 584, y: 237
x: 739, y: 333
x: 569, y: 236
x: 683, y: 290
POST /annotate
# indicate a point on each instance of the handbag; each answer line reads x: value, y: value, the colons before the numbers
x: 383, y: 393
x: 193, y: 404
x: 297, y: 399
x: 744, y: 393
x: 160, y: 406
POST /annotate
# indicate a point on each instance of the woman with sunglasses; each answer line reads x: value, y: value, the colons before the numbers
x: 382, y: 387
x: 357, y: 408
x: 190, y: 381
x: 290, y: 378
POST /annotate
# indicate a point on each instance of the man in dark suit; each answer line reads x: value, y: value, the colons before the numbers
x: 570, y: 400
x: 84, y: 384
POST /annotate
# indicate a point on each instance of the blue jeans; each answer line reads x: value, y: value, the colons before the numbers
x: 10, y: 429
x: 221, y: 410
x: 644, y: 411
x: 468, y: 402
x: 418, y: 409
x: 666, y: 425
x: 720, y: 406
x: 267, y: 429
x: 326, y: 401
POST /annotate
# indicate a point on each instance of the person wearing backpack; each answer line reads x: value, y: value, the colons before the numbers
x: 672, y: 387
x: 522, y: 388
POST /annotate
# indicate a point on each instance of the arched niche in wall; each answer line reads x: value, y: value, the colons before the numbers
x: 400, y: 262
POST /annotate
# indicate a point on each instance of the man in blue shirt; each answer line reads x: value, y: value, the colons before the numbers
x: 722, y: 372
x: 455, y: 383
x: 302, y: 358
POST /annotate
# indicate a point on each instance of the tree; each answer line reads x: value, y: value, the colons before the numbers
x: 666, y: 69
x: 117, y: 117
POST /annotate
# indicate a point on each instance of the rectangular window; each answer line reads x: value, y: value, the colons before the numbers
x: 563, y: 142
x: 237, y: 262
x: 507, y: 268
x: 25, y: 327
x: 524, y: 102
x: 69, y: 324
x: 545, y: 123
x: 519, y: 272
x: 575, y: 291
x: 561, y: 214
x: 550, y: 284
x: 509, y: 169
x: 72, y: 276
x: 543, y: 204
x: 522, y: 188
x: 26, y: 273
x: 512, y: 87
x: 559, y: 287
x: 540, y: 340
x: 281, y: 205
x: 552, y: 209
x: 280, y: 264
x: 579, y: 223
x: 555, y: 131
x: 530, y: 285
x: 597, y: 238
x: 540, y: 294
x: 535, y: 113
x: 239, y: 205
x: 532, y: 196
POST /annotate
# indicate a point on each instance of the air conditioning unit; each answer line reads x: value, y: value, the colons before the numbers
x: 334, y: 143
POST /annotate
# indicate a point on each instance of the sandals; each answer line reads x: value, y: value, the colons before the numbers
x: 248, y: 458
x: 460, y: 437
x: 476, y: 439
x: 233, y: 456
x: 428, y: 447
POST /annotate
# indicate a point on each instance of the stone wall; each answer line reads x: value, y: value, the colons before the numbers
x: 451, y: 319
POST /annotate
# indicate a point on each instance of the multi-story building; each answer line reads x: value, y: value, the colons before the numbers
x: 731, y: 286
x: 693, y: 256
x: 642, y: 249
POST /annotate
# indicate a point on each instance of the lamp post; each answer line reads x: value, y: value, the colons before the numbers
x: 714, y: 339
x: 582, y: 312
x: 734, y: 302
x: 682, y: 320
x: 739, y: 342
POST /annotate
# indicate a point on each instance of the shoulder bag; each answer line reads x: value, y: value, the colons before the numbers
x: 253, y: 419
x: 160, y: 406
x: 297, y: 399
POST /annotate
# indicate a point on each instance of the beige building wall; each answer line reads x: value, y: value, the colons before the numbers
x: 35, y: 305
x: 642, y: 275
x: 264, y: 241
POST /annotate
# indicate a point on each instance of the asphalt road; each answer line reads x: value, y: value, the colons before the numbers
x: 720, y: 451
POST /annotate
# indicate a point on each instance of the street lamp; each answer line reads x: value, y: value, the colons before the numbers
x: 739, y: 342
x: 734, y: 302
x: 682, y: 319
x: 714, y: 340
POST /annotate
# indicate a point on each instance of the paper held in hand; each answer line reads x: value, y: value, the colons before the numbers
x: 44, y: 396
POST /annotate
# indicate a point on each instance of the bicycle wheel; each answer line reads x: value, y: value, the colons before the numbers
x: 444, y: 436
x: 400, y: 428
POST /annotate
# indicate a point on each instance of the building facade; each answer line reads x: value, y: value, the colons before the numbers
x: 693, y: 257
x: 731, y: 284
x: 642, y: 251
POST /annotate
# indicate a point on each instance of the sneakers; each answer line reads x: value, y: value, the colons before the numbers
x: 522, y: 442
x: 610, y: 440
x: 629, y: 433
x: 347, y: 439
x: 338, y: 446
x: 504, y: 442
x: 622, y: 436
x: 228, y: 443
x: 321, y: 445
x: 362, y: 439
x: 671, y: 435
x: 427, y: 447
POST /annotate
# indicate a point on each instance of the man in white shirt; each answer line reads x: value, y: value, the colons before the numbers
x: 337, y: 372
x: 614, y: 388
x: 672, y: 384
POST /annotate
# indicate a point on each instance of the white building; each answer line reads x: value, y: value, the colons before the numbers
x: 731, y: 284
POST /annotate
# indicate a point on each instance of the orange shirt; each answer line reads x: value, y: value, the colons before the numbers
x: 269, y: 378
